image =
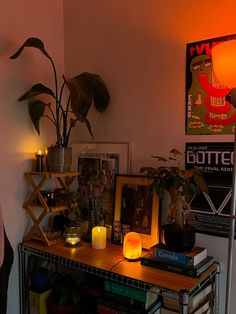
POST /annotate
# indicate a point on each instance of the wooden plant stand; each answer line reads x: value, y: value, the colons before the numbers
x: 36, y: 181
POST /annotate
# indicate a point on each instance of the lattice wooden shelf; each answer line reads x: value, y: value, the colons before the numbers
x: 36, y: 181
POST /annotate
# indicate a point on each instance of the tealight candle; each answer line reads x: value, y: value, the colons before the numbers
x: 72, y: 240
x: 99, y: 237
x: 39, y: 161
x: 72, y: 235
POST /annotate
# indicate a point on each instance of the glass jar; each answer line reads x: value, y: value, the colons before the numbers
x: 72, y: 235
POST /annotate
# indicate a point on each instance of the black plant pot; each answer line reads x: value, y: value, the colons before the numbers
x: 177, y: 239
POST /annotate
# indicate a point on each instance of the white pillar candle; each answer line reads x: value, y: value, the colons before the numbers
x: 99, y: 237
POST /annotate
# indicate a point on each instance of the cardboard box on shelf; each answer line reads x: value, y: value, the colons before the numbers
x: 38, y: 302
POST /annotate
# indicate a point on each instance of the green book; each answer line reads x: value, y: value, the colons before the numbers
x: 187, y: 270
x: 148, y: 297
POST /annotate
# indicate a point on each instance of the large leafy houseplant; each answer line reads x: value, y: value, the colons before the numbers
x: 181, y: 185
x: 65, y: 110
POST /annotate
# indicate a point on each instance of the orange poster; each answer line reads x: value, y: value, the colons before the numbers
x: 208, y: 107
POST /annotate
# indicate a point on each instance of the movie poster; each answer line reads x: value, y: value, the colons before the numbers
x: 210, y: 212
x: 208, y: 107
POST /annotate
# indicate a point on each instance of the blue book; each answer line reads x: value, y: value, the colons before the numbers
x: 192, y: 257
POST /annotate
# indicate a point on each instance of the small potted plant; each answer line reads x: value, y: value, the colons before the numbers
x: 73, y: 199
x: 181, y: 185
x: 69, y: 104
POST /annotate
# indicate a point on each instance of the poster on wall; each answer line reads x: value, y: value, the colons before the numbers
x: 210, y: 212
x: 208, y: 107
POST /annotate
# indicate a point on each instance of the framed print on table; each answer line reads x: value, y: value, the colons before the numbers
x: 97, y: 164
x: 103, y: 150
x: 135, y: 210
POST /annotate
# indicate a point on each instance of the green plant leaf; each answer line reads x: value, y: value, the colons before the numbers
x: 160, y: 158
x: 201, y: 183
x: 81, y: 96
x: 89, y: 127
x: 36, y: 111
x: 84, y: 90
x: 176, y: 152
x: 148, y: 170
x: 101, y: 95
x: 36, y: 90
x: 31, y: 42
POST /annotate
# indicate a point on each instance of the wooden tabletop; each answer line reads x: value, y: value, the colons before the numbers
x: 112, y: 259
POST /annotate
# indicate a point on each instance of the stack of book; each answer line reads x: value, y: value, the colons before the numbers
x: 191, y: 263
x: 198, y: 303
x: 122, y: 299
x: 203, y: 309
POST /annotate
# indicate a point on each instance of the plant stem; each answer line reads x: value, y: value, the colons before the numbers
x: 58, y: 105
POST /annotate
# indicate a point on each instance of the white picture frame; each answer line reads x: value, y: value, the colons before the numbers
x: 102, y: 150
x: 99, y: 157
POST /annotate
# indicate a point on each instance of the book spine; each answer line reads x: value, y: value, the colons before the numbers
x: 118, y: 307
x: 137, y: 294
x: 191, y: 258
x: 170, y: 267
x: 179, y: 269
x: 125, y: 300
x: 171, y: 256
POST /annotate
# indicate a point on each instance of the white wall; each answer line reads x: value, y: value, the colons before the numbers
x: 18, y: 21
x: 138, y: 47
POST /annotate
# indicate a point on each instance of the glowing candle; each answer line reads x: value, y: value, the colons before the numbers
x: 72, y: 235
x: 72, y: 240
x: 99, y: 237
x: 39, y: 161
x: 132, y: 247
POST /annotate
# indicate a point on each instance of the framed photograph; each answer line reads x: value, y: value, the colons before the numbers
x: 135, y: 209
x: 119, y: 151
x: 97, y: 164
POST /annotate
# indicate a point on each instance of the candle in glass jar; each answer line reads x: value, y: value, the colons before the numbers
x: 72, y: 235
x: 99, y: 237
x: 72, y: 240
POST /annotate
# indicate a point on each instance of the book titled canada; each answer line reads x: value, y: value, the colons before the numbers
x: 187, y: 270
x: 190, y: 257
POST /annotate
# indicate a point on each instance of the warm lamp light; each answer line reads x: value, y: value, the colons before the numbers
x: 132, y: 247
x: 224, y: 65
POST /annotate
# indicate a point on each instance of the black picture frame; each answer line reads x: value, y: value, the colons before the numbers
x: 135, y: 209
